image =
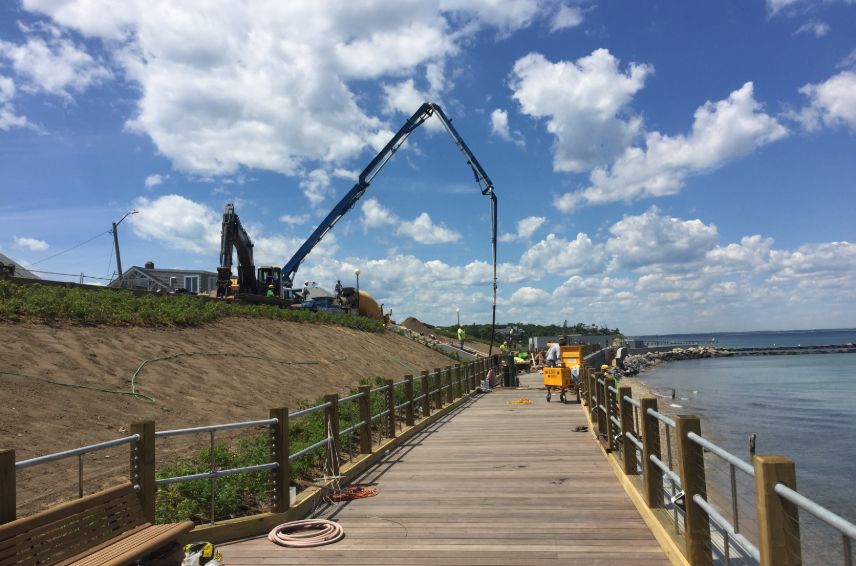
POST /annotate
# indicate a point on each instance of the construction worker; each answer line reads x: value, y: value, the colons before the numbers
x: 305, y: 290
x: 554, y: 354
x: 503, y: 348
x: 338, y: 289
x: 461, y: 336
x: 270, y: 292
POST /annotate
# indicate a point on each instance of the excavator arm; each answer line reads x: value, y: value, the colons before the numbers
x: 371, y: 171
x: 234, y: 236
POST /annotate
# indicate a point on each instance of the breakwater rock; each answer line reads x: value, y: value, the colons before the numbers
x: 639, y: 362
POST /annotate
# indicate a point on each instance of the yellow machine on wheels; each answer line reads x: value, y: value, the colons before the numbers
x: 559, y: 378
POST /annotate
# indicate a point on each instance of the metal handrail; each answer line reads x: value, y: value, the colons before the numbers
x: 616, y: 421
x: 352, y: 428
x: 402, y: 405
x: 212, y: 428
x: 602, y: 408
x: 402, y: 382
x: 725, y: 455
x: 218, y: 473
x: 351, y: 397
x: 613, y: 389
x: 661, y: 417
x: 308, y: 449
x: 379, y: 415
x: 837, y: 522
x: 419, y: 398
x: 666, y: 470
x: 632, y: 401
x: 633, y: 439
x: 308, y: 410
x: 723, y: 523
x: 378, y: 388
x: 76, y: 451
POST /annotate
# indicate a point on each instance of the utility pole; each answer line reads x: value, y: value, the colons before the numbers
x: 116, y: 245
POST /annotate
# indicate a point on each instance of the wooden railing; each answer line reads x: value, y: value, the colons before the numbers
x: 632, y: 431
x: 376, y: 432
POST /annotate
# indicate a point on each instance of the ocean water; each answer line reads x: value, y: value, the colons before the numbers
x: 803, y: 407
x: 762, y: 339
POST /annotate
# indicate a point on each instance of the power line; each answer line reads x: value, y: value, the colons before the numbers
x: 71, y: 275
x: 68, y: 250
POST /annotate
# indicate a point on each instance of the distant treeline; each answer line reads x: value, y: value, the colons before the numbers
x: 523, y: 331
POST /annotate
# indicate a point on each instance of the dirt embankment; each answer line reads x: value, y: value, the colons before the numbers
x: 238, y: 370
x: 420, y: 327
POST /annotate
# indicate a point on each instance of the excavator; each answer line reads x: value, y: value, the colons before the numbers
x: 283, y: 279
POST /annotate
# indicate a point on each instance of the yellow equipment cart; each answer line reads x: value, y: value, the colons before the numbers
x: 559, y: 378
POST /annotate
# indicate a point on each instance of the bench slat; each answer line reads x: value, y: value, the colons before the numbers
x: 136, y: 546
x: 105, y: 528
x: 75, y: 533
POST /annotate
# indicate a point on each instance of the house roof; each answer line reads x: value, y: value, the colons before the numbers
x: 19, y: 270
x: 161, y: 277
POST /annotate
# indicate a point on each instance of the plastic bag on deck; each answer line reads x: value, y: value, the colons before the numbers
x: 201, y: 554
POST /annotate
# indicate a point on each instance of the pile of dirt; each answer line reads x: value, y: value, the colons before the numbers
x: 228, y: 371
x: 419, y: 327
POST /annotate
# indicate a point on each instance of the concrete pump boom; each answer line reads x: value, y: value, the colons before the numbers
x: 374, y: 167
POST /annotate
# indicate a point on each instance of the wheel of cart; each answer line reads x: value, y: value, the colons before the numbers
x: 558, y: 379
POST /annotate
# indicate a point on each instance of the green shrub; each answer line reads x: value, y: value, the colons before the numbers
x: 52, y: 303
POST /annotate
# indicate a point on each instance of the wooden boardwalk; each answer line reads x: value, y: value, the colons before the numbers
x: 490, y: 484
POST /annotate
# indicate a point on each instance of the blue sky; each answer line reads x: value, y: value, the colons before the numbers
x: 659, y: 166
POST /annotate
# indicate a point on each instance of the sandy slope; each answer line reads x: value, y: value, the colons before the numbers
x: 291, y: 362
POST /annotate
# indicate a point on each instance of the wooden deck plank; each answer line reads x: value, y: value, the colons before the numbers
x: 491, y: 484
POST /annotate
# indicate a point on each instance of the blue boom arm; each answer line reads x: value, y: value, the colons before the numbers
x: 374, y: 167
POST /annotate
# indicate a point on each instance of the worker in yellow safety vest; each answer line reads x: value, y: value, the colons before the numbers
x: 461, y: 336
x: 503, y: 348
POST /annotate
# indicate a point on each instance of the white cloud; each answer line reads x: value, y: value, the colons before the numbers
x: 819, y: 29
x: 831, y: 103
x: 529, y: 296
x: 374, y: 215
x: 499, y: 127
x: 585, y: 102
x: 752, y: 254
x: 32, y: 244
x: 316, y: 186
x: 566, y: 17
x: 178, y: 222
x: 423, y: 230
x: 294, y: 219
x: 154, y: 180
x: 266, y: 84
x: 525, y: 229
x: 815, y: 262
x: 721, y: 131
x: 796, y: 6
x: 8, y: 117
x: 556, y: 255
x: 54, y: 65
x: 650, y: 238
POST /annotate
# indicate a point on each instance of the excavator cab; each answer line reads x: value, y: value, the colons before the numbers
x: 269, y: 275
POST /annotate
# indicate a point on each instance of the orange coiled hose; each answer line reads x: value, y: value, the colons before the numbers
x: 306, y: 533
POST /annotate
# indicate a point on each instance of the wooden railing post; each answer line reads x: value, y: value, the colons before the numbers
x: 778, y: 519
x: 651, y: 446
x: 279, y: 454
x: 601, y: 400
x: 143, y: 466
x: 470, y: 378
x: 459, y: 390
x: 450, y: 392
x: 332, y: 422
x: 365, y: 405
x: 589, y: 391
x: 628, y: 449
x: 438, y: 392
x: 691, y: 458
x: 8, y: 502
x: 426, y: 394
x: 389, y: 395
x: 408, y: 394
x: 607, y: 403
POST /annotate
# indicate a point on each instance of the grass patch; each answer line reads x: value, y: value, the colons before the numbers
x: 248, y: 494
x: 49, y: 303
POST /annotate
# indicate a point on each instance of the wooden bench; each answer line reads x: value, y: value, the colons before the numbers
x: 105, y: 528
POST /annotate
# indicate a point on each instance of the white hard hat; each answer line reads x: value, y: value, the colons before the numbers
x: 306, y: 282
